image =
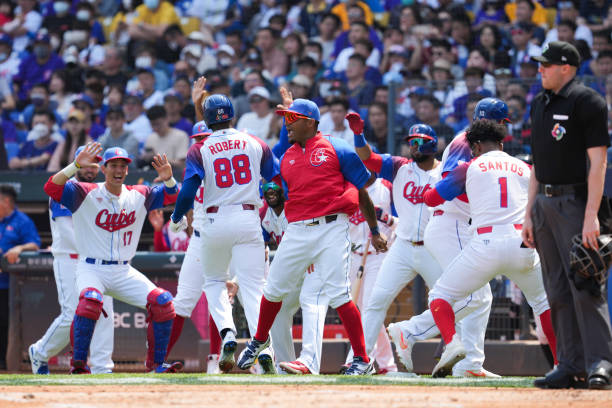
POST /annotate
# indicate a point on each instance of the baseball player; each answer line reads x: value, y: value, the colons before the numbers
x: 496, y: 186
x: 407, y: 256
x: 325, y: 182
x: 366, y: 262
x: 65, y: 259
x: 228, y: 164
x: 108, y: 219
x: 446, y: 234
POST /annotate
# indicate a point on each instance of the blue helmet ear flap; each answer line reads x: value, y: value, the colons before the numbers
x: 426, y: 132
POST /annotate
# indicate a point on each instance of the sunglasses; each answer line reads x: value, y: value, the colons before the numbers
x: 291, y: 117
x: 416, y: 142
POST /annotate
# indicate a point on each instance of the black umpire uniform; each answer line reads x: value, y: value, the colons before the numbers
x: 564, y: 126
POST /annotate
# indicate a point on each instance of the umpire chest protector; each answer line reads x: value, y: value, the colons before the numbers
x: 564, y: 126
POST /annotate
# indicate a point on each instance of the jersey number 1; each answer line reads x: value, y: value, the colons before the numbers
x: 241, y: 167
x: 503, y: 189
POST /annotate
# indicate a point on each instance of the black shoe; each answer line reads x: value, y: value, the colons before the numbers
x: 599, y: 379
x: 558, y: 379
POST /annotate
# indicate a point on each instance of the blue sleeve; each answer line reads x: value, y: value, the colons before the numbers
x: 453, y: 185
x: 193, y: 163
x: 186, y: 196
x: 73, y: 195
x: 351, y: 165
x: 57, y: 210
x: 269, y: 163
x: 458, y: 151
x: 156, y: 196
x: 283, y: 142
x: 390, y: 165
x: 266, y: 236
x: 28, y: 231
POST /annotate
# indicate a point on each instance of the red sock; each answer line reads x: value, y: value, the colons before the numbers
x: 267, y: 313
x: 215, y: 337
x: 351, y: 319
x: 175, y: 333
x: 150, y: 363
x: 547, y: 328
x: 444, y: 317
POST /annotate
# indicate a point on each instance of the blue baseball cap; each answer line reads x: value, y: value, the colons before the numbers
x: 200, y: 129
x: 82, y: 97
x: 41, y: 36
x: 113, y: 153
x: 80, y: 149
x: 6, y: 39
x: 303, y: 107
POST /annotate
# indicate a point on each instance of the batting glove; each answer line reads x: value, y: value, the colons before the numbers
x: 178, y: 226
x: 355, y: 123
x: 383, y: 216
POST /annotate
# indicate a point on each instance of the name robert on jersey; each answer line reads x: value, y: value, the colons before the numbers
x: 114, y: 222
x: 227, y: 145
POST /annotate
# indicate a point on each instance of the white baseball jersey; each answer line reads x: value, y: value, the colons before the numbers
x: 274, y: 225
x: 410, y: 183
x: 230, y: 164
x: 507, y: 204
x: 107, y: 227
x: 380, y: 193
x: 62, y: 230
x: 199, y: 212
x: 457, y: 152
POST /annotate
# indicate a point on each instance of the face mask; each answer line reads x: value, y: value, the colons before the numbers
x: 41, y: 51
x: 143, y: 62
x: 55, y: 43
x: 40, y: 130
x: 83, y: 15
x: 127, y: 4
x: 225, y: 62
x: 192, y: 61
x: 61, y: 8
x: 315, y: 56
x: 37, y: 99
x: 151, y: 4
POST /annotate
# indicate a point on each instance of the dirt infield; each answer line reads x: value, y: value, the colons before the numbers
x: 221, y: 396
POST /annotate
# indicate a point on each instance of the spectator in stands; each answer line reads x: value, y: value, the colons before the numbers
x: 116, y: 135
x: 474, y: 79
x: 173, y: 103
x: 479, y: 58
x: 27, y: 21
x: 182, y: 68
x: 61, y: 93
x: 428, y: 112
x: 377, y: 129
x: 172, y: 142
x: 19, y: 234
x: 146, y: 85
x: 151, y: 20
x: 601, y: 41
x: 182, y: 87
x: 257, y: 122
x: 338, y: 108
x: 293, y: 46
x: 300, y: 86
x: 351, y: 10
x: 311, y: 16
x: 356, y: 14
x: 9, y: 61
x: 59, y: 21
x: 38, y: 67
x: 359, y: 89
x: 519, y: 128
x: 75, y: 136
x: 200, y: 44
x: 357, y: 33
x: 604, y: 63
x: 328, y: 29
x: 521, y: 45
x: 10, y: 141
x: 490, y: 39
x: 37, y: 150
x: 491, y: 13
x: 567, y: 11
x: 525, y: 10
x: 136, y: 120
x: 241, y: 101
x: 85, y: 104
x: 85, y: 14
x: 226, y: 59
x: 173, y: 41
x: 275, y: 61
x: 442, y: 49
x: 39, y: 99
x: 147, y: 59
x: 468, y: 115
x: 308, y: 67
x: 461, y: 36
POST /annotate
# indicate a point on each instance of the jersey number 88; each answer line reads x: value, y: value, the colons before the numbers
x: 241, y: 167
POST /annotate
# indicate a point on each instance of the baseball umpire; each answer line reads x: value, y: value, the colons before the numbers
x: 569, y: 126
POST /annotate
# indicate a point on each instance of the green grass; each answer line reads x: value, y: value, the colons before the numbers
x: 203, y: 379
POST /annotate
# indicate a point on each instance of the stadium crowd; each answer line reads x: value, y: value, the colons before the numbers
x: 120, y: 72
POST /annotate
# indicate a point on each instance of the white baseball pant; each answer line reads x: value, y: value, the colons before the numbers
x: 57, y: 335
x: 488, y: 255
x: 232, y: 235
x: 445, y: 237
x: 401, y: 265
x: 382, y: 353
x: 190, y: 279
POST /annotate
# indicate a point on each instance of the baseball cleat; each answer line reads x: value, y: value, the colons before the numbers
x: 38, y: 366
x: 266, y: 361
x: 359, y: 367
x: 294, y: 367
x: 213, y: 364
x: 453, y: 353
x: 251, y: 351
x: 79, y: 367
x: 482, y: 373
x: 167, y: 368
x: 403, y: 348
x: 227, y: 361
x: 343, y: 368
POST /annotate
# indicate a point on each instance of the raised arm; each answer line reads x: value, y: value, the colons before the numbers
x: 198, y: 96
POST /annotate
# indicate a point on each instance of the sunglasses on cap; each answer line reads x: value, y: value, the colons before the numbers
x: 269, y: 186
x: 291, y: 117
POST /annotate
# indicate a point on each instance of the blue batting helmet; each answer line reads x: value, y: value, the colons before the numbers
x: 493, y: 109
x: 200, y: 129
x: 429, y: 144
x: 218, y: 109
